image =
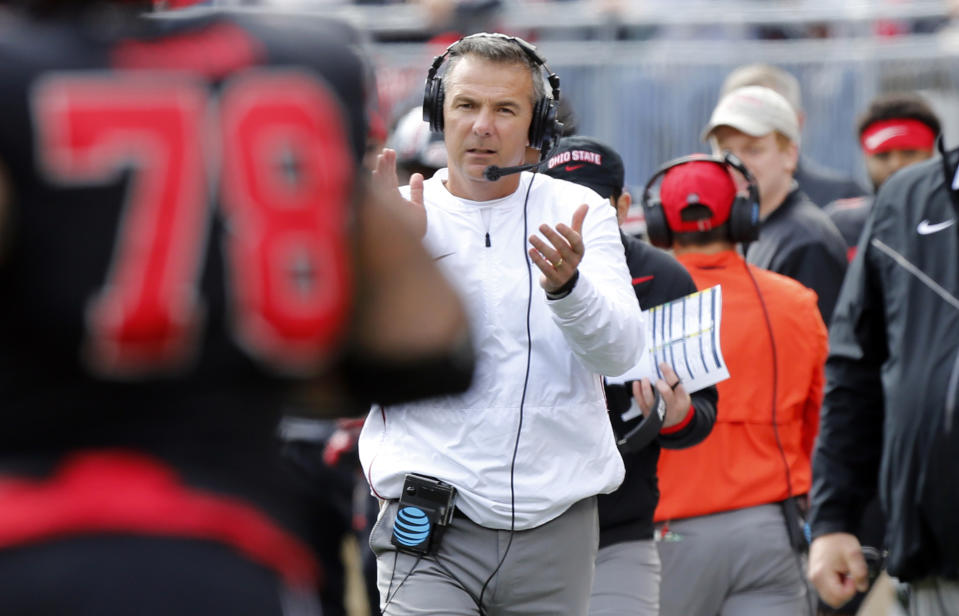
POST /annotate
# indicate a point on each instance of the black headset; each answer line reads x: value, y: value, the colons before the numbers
x: 743, y: 223
x: 544, y: 129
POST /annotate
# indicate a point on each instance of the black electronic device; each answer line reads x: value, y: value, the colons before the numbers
x: 544, y: 129
x: 633, y: 430
x: 425, y: 510
x: 795, y: 523
x: 743, y: 223
x: 875, y: 562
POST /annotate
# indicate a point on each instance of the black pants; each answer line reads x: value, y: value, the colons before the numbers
x: 121, y: 575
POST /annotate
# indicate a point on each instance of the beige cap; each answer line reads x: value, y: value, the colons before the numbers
x: 756, y: 111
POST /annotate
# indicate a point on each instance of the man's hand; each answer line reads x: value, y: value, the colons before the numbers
x: 386, y: 182
x: 837, y: 568
x: 670, y: 389
x: 559, y: 261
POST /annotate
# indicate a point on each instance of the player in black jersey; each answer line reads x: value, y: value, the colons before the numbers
x: 628, y: 569
x: 185, y: 241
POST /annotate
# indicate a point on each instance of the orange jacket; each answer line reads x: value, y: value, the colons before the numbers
x: 740, y: 464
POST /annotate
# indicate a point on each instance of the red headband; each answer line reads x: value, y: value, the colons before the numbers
x: 897, y: 134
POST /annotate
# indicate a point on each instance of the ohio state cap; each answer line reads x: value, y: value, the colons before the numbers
x: 588, y: 162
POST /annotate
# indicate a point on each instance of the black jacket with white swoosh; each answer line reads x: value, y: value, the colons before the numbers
x: 889, y: 418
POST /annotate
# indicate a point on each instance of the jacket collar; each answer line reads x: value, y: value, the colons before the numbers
x: 793, y: 197
x: 724, y: 259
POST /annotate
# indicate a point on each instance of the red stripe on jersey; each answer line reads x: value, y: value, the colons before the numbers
x: 215, y: 51
x: 117, y: 491
x: 642, y: 279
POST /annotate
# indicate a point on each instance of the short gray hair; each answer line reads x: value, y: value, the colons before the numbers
x: 497, y: 48
x: 768, y: 76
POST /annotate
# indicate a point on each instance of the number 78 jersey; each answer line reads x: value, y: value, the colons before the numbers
x: 179, y: 200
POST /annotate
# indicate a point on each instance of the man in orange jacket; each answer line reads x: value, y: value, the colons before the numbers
x: 727, y: 519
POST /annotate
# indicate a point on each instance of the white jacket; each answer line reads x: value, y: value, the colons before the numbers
x: 567, y: 450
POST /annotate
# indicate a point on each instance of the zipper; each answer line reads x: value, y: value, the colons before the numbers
x: 486, y: 212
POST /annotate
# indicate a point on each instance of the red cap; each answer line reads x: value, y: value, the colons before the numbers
x: 704, y: 182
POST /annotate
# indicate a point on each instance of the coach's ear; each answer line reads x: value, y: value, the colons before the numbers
x: 622, y: 206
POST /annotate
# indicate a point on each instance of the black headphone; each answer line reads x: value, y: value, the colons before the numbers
x: 544, y: 129
x: 743, y: 223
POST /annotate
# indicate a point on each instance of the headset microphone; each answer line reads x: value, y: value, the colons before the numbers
x: 493, y: 173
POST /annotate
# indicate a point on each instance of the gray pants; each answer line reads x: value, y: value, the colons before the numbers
x: 627, y: 580
x: 548, y: 569
x: 735, y: 563
x: 934, y: 597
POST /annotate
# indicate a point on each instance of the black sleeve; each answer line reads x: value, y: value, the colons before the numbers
x: 391, y: 381
x: 670, y: 281
x: 849, y: 446
x: 699, y: 427
x: 814, y: 266
x: 667, y: 278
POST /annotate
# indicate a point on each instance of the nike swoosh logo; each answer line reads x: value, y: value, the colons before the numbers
x: 444, y: 256
x: 885, y: 134
x: 925, y: 227
x: 641, y: 279
x: 573, y: 167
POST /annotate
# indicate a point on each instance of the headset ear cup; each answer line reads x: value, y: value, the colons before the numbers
x: 738, y: 219
x: 544, y: 129
x: 433, y: 104
x: 551, y: 128
x: 657, y: 229
x: 537, y: 124
x: 744, y: 220
x: 744, y: 215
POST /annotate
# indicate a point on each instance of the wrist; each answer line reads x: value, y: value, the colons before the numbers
x: 682, y: 424
x: 564, y: 290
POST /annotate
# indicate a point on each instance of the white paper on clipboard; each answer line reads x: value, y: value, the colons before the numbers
x: 683, y: 333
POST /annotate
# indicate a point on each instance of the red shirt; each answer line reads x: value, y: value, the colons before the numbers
x: 740, y: 464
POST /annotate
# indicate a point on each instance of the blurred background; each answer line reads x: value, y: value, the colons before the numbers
x: 643, y: 75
